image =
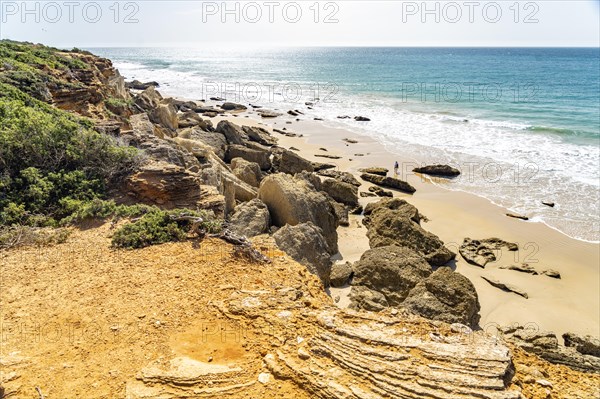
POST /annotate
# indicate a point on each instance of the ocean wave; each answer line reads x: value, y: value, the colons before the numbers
x: 552, y: 130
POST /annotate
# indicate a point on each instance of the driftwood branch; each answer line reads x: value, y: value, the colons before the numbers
x: 39, y: 391
x: 242, y: 246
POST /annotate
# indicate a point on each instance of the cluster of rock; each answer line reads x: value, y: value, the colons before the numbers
x: 241, y: 174
x: 397, y: 271
x: 400, y: 277
x: 579, y: 352
x: 481, y: 252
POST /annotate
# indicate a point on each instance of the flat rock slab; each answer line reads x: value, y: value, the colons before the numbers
x: 480, y: 252
x: 375, y: 171
x: 551, y: 273
x: 505, y: 287
x: 269, y: 114
x: 515, y: 216
x: 523, y: 268
x: 438, y: 170
x: 389, y: 182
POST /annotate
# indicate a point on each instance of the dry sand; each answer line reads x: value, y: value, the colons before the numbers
x: 569, y: 304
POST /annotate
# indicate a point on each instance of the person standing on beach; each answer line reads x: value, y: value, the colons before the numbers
x: 396, y: 168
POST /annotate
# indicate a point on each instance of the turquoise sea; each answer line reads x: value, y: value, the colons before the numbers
x: 523, y: 124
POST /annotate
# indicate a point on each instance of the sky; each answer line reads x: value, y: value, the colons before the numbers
x: 508, y: 23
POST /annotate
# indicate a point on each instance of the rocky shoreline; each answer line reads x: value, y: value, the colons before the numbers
x: 413, y: 327
x: 303, y: 209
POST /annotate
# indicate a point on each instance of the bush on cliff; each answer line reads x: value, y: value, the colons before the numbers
x: 160, y: 226
x: 48, y: 156
x: 30, y: 68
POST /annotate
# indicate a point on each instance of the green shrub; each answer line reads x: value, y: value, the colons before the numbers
x: 158, y: 227
x: 49, y: 157
x: 79, y: 211
x: 118, y: 102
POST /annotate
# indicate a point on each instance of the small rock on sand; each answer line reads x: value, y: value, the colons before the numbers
x: 506, y: 287
x: 514, y: 215
x: 264, y: 378
x: 523, y: 267
x: 551, y: 273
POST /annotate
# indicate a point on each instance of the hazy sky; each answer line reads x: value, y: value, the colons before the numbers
x: 350, y: 23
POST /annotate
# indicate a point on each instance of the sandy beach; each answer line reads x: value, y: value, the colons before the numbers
x: 558, y: 305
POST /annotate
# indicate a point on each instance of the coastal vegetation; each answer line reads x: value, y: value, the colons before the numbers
x: 51, y: 160
x: 55, y: 169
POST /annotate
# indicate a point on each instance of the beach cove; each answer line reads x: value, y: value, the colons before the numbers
x: 559, y: 305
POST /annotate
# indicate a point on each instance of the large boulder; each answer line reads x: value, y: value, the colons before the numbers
x: 214, y: 140
x: 391, y: 270
x: 259, y: 135
x: 289, y: 162
x: 165, y: 115
x: 141, y: 124
x: 392, y: 222
x: 229, y: 106
x: 250, y: 219
x: 362, y: 297
x: 345, y: 177
x: 137, y: 85
x: 148, y: 99
x: 158, y: 149
x: 170, y: 186
x: 294, y: 200
x: 191, y: 119
x: 341, y: 273
x: 215, y: 172
x: 248, y: 172
x: 344, y: 193
x: 403, y: 208
x: 188, y: 119
x: 446, y: 296
x: 232, y: 132
x: 341, y: 212
x: 262, y: 158
x: 305, y: 244
x: 311, y: 179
